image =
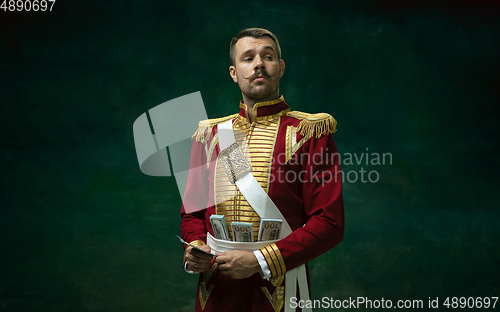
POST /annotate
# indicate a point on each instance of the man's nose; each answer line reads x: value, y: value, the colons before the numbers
x: 258, y: 63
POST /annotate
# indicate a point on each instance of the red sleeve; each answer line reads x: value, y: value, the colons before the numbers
x: 317, y: 203
x: 196, y: 196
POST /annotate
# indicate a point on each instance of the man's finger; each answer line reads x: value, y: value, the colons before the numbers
x: 223, y: 269
x: 197, y: 257
x: 194, y: 258
x: 220, y: 259
x: 200, y: 254
x: 192, y: 251
x: 197, y: 267
x: 199, y: 261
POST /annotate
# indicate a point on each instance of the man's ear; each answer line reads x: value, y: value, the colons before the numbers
x: 282, y: 67
x: 232, y: 73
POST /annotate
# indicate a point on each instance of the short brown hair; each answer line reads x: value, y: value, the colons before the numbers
x: 254, y: 33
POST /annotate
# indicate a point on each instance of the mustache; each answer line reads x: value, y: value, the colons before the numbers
x: 259, y: 72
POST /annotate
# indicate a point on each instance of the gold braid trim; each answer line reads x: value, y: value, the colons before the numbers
x: 277, y: 299
x: 268, y: 117
x: 204, y: 291
x: 202, y: 135
x: 311, y: 124
x: 197, y: 243
x: 269, y: 260
x: 280, y: 258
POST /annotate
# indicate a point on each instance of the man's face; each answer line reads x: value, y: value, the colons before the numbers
x: 257, y: 69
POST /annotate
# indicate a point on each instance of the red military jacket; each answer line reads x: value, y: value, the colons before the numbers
x: 294, y: 159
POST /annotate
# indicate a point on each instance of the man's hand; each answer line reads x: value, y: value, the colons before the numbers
x: 197, y: 261
x: 237, y: 264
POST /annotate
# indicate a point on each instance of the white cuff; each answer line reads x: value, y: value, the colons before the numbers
x: 266, y: 272
x: 186, y: 268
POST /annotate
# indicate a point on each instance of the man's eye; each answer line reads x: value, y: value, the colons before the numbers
x: 247, y: 59
x: 269, y: 57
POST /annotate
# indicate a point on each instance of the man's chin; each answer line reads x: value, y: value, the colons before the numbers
x: 259, y: 93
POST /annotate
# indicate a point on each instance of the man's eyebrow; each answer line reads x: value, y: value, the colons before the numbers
x: 269, y: 47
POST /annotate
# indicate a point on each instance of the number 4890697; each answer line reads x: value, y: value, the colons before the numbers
x: 27, y: 5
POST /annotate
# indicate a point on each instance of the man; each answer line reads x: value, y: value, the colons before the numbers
x: 294, y: 160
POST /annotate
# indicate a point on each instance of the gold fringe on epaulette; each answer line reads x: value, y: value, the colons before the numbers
x: 205, y: 128
x: 314, y: 124
x: 202, y: 135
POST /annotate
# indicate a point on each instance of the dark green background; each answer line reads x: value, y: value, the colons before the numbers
x: 82, y: 229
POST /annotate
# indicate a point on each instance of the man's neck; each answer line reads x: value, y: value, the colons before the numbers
x: 250, y: 102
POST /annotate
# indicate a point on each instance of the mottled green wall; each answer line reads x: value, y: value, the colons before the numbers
x: 82, y: 229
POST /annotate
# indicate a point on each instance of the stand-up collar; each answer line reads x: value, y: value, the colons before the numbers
x: 265, y: 110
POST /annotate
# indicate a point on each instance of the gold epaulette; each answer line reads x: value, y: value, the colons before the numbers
x: 202, y: 135
x: 314, y: 124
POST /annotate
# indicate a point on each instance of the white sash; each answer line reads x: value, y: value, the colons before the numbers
x: 222, y: 245
x: 265, y: 208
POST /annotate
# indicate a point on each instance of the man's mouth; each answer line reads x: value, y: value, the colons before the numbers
x: 259, y: 77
